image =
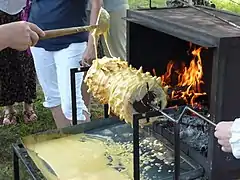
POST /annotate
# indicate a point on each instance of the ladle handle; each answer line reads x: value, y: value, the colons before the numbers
x: 67, y: 31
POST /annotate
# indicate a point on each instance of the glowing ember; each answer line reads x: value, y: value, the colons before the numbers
x: 189, y: 79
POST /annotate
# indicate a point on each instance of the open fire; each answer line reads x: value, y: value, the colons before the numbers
x: 185, y: 82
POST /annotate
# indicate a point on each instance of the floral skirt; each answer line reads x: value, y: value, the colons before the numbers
x: 17, y: 72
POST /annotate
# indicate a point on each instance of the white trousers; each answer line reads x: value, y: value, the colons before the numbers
x: 53, y: 71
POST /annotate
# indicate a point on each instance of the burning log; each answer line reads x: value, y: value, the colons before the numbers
x: 123, y: 87
x: 184, y: 83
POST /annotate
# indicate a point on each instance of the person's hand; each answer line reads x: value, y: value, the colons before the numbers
x: 89, y: 54
x: 223, y: 134
x: 21, y: 35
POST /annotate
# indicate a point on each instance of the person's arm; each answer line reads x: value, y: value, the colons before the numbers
x: 3, y: 38
x: 96, y: 5
x: 19, y: 35
x: 95, y: 8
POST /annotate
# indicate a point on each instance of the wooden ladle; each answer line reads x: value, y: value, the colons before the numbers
x: 101, y: 27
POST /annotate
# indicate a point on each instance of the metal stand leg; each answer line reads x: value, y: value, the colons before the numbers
x: 73, y: 72
x: 136, y: 155
x: 16, y: 166
x: 177, y: 151
x: 106, y: 115
x: 73, y: 94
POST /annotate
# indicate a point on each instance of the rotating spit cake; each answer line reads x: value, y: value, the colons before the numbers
x: 112, y: 81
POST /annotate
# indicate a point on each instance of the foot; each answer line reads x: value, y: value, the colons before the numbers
x: 87, y: 116
x: 10, y: 118
x: 29, y: 116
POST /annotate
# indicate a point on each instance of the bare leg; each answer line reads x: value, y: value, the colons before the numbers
x: 81, y: 121
x: 27, y: 107
x: 9, y: 115
x: 29, y: 114
x: 59, y: 118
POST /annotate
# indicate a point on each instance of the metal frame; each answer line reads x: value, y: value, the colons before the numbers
x: 177, y: 151
x: 150, y: 5
x: 73, y: 93
x: 20, y: 154
x: 16, y: 173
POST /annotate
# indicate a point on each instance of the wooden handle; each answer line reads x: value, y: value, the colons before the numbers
x: 67, y: 31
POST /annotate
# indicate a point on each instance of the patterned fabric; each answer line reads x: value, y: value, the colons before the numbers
x: 17, y: 72
x: 25, y: 15
x: 26, y: 11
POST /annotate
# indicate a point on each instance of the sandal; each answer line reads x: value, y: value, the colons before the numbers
x: 29, y: 116
x: 10, y: 118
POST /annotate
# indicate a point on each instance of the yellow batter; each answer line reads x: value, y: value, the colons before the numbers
x: 72, y: 159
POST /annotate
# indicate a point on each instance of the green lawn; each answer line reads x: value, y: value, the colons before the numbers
x: 9, y: 135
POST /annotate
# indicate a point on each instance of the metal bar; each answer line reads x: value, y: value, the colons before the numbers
x: 106, y: 106
x: 163, y: 113
x: 177, y: 134
x: 136, y: 164
x: 73, y: 95
x: 211, y: 14
x: 199, y: 115
x: 186, y: 108
x: 16, y: 173
x: 176, y: 151
x: 24, y: 158
x: 73, y: 72
x: 150, y: 4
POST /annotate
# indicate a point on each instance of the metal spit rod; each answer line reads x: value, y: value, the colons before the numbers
x: 186, y: 108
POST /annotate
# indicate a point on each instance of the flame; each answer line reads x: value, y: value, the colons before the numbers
x: 189, y: 79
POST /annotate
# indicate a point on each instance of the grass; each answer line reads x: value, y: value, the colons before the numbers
x: 9, y: 135
x: 229, y: 5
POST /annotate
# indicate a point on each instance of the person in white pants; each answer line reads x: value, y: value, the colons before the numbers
x: 53, y: 71
x: 54, y: 58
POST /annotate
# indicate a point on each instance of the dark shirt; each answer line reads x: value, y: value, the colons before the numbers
x: 55, y: 14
